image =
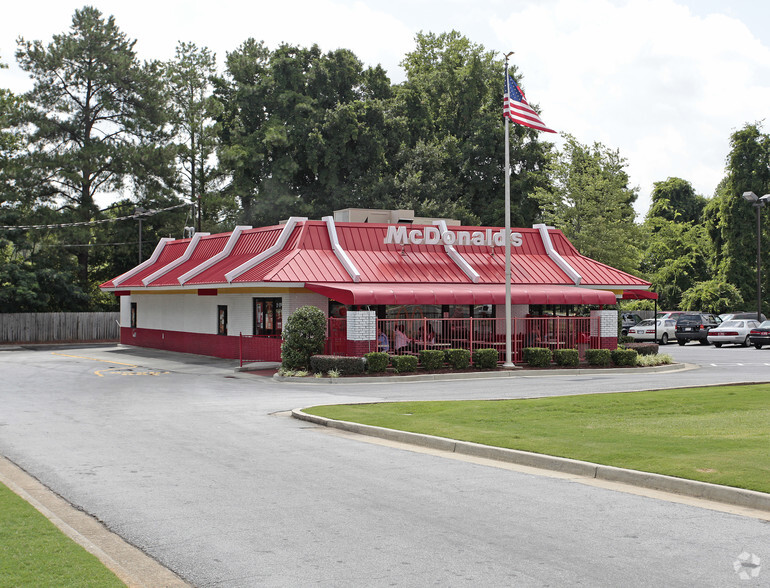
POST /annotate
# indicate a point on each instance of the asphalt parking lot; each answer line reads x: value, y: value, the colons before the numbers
x: 201, y: 468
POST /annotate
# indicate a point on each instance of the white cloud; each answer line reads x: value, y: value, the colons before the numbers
x: 650, y: 78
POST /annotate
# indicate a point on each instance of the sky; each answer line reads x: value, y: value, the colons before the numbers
x: 664, y: 82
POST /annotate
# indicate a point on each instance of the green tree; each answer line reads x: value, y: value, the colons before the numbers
x: 592, y: 203
x: 676, y: 200
x: 95, y: 113
x: 731, y: 221
x: 193, y: 111
x: 716, y: 296
x: 452, y: 102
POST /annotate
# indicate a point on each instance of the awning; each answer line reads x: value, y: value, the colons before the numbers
x: 348, y: 293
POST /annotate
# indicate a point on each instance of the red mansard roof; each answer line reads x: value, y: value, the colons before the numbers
x: 307, y: 255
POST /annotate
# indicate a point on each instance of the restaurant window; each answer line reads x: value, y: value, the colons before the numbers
x: 268, y: 316
x: 221, y: 320
x: 133, y: 315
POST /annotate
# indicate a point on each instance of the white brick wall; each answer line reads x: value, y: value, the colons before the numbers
x: 608, y: 323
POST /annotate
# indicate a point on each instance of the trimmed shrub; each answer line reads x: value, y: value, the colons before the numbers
x: 303, y: 337
x: 336, y: 363
x: 538, y: 356
x: 432, y: 359
x: 566, y: 357
x: 643, y: 348
x: 600, y: 357
x: 485, y: 359
x: 459, y: 359
x: 624, y: 357
x: 376, y: 362
x: 653, y: 360
x: 404, y: 363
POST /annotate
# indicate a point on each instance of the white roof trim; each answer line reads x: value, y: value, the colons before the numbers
x: 153, y: 258
x: 177, y: 262
x: 288, y: 228
x: 554, y: 255
x: 459, y: 260
x: 234, y: 236
x: 339, y: 251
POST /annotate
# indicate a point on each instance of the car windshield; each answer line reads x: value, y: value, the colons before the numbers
x: 646, y: 323
x: 765, y: 325
x: 733, y: 324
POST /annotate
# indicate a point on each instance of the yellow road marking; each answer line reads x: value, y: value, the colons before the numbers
x: 101, y: 373
x: 94, y: 359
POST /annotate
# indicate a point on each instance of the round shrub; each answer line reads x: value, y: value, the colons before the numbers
x: 566, y: 357
x: 376, y: 362
x: 600, y: 357
x: 459, y: 359
x: 537, y: 356
x: 404, y: 363
x: 432, y: 359
x: 624, y: 357
x: 485, y: 359
x: 303, y: 336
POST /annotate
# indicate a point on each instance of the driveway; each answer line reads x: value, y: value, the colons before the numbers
x: 202, y: 469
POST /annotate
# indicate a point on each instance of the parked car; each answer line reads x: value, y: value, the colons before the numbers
x: 645, y: 331
x: 760, y: 335
x: 731, y: 316
x: 695, y: 327
x: 735, y: 331
x: 628, y: 320
x: 670, y: 314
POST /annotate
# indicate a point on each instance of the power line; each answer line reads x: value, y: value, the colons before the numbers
x: 149, y: 212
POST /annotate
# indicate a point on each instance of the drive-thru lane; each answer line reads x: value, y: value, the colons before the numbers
x: 201, y: 468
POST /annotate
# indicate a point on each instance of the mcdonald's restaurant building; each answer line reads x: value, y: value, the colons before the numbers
x: 213, y: 294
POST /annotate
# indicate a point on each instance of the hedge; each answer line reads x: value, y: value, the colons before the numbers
x: 537, y: 356
x: 485, y: 359
x: 600, y: 357
x: 377, y: 362
x: 643, y: 348
x: 404, y: 363
x: 459, y: 359
x: 566, y: 357
x: 343, y: 364
x: 432, y: 359
x: 624, y: 357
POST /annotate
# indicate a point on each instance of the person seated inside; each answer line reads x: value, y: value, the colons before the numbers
x: 402, y: 341
x: 383, y: 344
x: 532, y: 339
x: 429, y: 336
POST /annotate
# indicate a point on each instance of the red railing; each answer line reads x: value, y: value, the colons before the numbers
x: 259, y: 348
x: 413, y: 335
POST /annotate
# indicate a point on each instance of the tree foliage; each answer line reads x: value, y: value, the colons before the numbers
x: 592, y: 203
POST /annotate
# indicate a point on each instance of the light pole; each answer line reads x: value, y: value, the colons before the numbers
x: 758, y: 203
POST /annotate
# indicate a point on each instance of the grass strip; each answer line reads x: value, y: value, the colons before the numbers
x: 33, y: 552
x: 716, y: 434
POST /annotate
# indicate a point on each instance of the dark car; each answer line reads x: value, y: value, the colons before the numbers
x: 695, y: 327
x: 629, y: 319
x: 760, y: 335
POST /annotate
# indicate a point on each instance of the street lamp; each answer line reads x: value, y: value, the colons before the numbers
x: 758, y: 203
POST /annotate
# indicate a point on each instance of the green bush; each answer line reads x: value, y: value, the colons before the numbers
x: 566, y: 357
x: 459, y: 359
x: 344, y: 365
x: 600, y: 357
x: 624, y: 357
x: 537, y: 356
x: 643, y: 348
x: 404, y: 363
x: 485, y: 359
x: 376, y: 362
x: 432, y: 359
x: 303, y: 337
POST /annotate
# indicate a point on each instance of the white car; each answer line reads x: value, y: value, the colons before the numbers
x: 645, y: 331
x: 736, y: 332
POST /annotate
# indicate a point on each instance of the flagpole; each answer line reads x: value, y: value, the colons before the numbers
x: 508, y: 364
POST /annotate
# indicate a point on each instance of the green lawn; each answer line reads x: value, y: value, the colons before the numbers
x: 33, y: 552
x: 719, y: 435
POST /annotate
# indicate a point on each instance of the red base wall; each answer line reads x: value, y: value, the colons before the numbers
x: 227, y: 347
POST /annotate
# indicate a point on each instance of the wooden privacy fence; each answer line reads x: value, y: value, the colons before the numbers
x: 43, y: 327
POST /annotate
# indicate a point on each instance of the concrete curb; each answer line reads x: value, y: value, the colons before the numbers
x: 691, y: 488
x: 516, y: 373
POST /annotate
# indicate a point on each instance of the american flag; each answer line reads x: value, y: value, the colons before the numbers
x: 516, y: 108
